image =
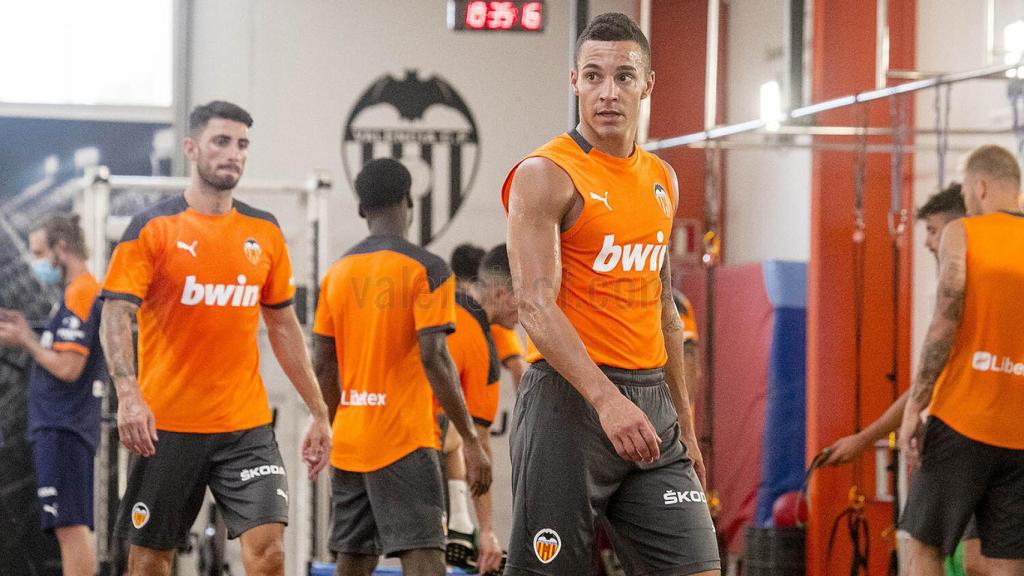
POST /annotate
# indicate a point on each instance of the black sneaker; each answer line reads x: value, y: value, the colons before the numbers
x: 460, y: 551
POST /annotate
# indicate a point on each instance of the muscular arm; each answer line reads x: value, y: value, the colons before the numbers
x: 847, y: 448
x: 949, y: 307
x: 135, y: 422
x: 289, y: 346
x: 444, y: 380
x: 540, y: 196
x: 325, y: 365
x: 490, y: 557
x: 675, y: 366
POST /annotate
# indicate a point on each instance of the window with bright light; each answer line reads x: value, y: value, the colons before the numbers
x: 104, y: 52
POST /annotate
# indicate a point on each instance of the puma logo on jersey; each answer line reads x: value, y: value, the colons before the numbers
x: 50, y: 509
x: 630, y: 257
x: 601, y: 199
x: 234, y: 295
x: 190, y: 248
x: 282, y: 494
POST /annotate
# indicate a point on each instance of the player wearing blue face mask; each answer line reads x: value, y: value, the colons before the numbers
x: 46, y: 271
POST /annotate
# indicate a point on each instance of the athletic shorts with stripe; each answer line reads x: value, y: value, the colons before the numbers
x: 566, y: 476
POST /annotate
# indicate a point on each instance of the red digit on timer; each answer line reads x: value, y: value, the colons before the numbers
x: 503, y: 15
x: 532, y: 18
x: 476, y: 14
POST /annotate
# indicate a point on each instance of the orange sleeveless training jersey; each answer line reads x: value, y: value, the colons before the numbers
x: 613, y: 254
x: 199, y: 281
x: 981, y: 390
x: 374, y: 303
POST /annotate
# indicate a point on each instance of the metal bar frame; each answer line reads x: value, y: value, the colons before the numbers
x: 720, y: 132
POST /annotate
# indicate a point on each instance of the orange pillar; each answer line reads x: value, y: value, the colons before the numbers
x: 843, y: 58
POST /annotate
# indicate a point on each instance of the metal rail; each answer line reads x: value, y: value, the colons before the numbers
x: 720, y: 132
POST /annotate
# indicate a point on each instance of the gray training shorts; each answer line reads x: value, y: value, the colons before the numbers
x: 389, y: 511
x: 566, y: 476
x: 243, y: 470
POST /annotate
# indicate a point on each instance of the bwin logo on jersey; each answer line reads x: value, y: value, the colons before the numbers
x: 428, y: 127
x: 234, y: 295
x: 630, y: 257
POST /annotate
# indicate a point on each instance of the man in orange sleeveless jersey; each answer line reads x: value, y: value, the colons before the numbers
x: 381, y: 355
x: 971, y: 380
x: 466, y: 259
x: 484, y: 300
x: 488, y: 299
x: 65, y: 388
x: 198, y: 269
x: 940, y: 209
x: 602, y: 425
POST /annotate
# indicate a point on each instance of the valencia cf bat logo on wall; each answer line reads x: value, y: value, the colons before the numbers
x: 427, y: 126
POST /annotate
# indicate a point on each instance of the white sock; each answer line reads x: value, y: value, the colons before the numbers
x: 458, y: 503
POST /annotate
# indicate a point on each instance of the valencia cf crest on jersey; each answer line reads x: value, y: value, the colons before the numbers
x: 252, y: 250
x: 546, y: 545
x: 663, y: 200
x: 426, y: 125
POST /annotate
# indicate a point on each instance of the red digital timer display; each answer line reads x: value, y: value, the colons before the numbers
x: 492, y: 16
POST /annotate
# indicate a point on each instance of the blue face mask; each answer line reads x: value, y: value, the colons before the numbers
x: 46, y: 272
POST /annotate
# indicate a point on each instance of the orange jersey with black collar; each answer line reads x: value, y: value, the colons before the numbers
x: 980, y: 392
x: 476, y: 358
x: 507, y: 342
x: 375, y: 302
x: 199, y: 281
x: 612, y: 255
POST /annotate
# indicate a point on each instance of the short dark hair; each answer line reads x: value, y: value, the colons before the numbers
x: 614, y: 27
x: 949, y: 201
x: 201, y: 115
x: 382, y: 183
x: 466, y: 259
x: 66, y: 228
x: 495, y: 263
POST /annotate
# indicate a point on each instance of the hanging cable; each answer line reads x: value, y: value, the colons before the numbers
x: 857, y: 530
x: 860, y: 169
x: 898, y: 222
x: 942, y: 107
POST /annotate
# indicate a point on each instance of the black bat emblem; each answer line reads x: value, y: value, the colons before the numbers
x: 411, y: 97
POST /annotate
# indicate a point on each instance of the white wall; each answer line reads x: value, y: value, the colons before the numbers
x: 300, y: 66
x: 951, y: 37
x: 768, y: 191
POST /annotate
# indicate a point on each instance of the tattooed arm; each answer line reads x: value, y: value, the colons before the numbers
x: 949, y: 307
x: 135, y: 421
x: 675, y: 366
